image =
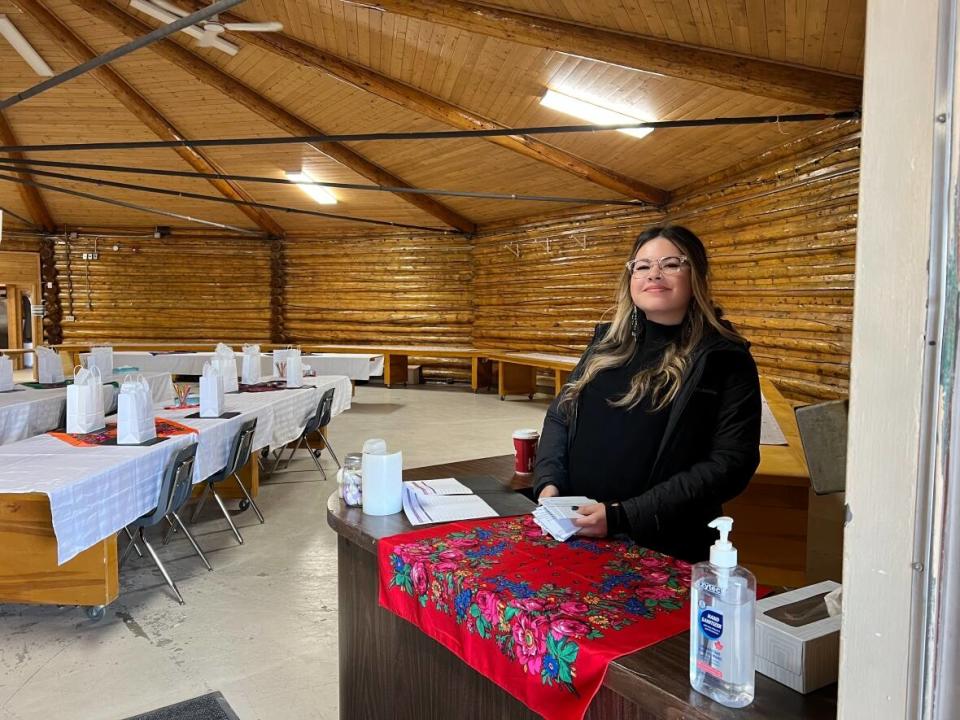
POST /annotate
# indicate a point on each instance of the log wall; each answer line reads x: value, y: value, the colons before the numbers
x: 405, y: 289
x: 780, y: 232
x: 191, y: 287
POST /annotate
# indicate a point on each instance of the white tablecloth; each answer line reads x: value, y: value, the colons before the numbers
x: 355, y: 366
x: 187, y: 363
x: 27, y: 412
x: 96, y: 491
x: 93, y: 491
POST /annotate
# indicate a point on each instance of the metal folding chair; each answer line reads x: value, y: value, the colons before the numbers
x: 317, y: 422
x: 239, y: 456
x: 174, y: 491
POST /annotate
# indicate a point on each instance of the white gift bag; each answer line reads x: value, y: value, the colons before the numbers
x: 101, y: 358
x: 228, y: 367
x: 135, y: 423
x: 49, y: 366
x: 85, y: 402
x: 251, y: 364
x: 294, y: 369
x: 211, y: 392
x: 6, y: 374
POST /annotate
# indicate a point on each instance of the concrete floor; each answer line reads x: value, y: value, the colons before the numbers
x: 262, y: 627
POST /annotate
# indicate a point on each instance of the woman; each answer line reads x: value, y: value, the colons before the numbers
x: 660, y: 420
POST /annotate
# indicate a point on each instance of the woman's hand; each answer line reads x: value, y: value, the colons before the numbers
x: 548, y: 491
x: 594, y: 520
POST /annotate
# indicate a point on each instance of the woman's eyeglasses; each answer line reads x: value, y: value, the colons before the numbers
x: 668, y: 266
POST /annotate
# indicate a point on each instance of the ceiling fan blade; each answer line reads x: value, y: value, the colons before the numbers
x: 170, y: 7
x: 254, y: 27
x: 210, y: 35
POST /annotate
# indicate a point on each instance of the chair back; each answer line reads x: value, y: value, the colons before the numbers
x: 240, y: 451
x: 823, y: 435
x: 321, y: 418
x: 175, y: 486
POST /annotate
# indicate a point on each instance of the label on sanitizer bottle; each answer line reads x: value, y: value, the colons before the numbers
x: 711, y: 628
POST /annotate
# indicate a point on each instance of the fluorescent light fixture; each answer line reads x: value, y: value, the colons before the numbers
x: 594, y: 114
x: 148, y: 8
x: 319, y: 193
x: 20, y: 44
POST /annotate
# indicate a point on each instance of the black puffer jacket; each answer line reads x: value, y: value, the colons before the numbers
x: 709, y: 452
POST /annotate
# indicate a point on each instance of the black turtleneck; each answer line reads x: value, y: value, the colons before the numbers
x: 614, y: 448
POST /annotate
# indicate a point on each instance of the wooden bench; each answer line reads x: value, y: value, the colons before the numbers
x: 517, y: 371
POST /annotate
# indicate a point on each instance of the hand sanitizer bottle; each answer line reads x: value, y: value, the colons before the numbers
x: 722, y: 612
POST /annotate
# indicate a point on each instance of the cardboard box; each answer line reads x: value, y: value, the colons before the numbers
x: 797, y: 644
x: 414, y: 375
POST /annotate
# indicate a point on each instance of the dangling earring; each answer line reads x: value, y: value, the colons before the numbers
x: 635, y: 323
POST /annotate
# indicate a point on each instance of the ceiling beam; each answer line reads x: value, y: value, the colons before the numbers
x: 417, y: 100
x: 36, y: 207
x: 269, y: 110
x: 806, y: 86
x: 128, y: 96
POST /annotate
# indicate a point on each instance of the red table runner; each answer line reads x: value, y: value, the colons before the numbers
x: 108, y: 436
x: 540, y: 618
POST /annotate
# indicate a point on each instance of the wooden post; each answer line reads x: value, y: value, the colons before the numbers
x: 14, y: 323
x: 50, y: 293
x: 278, y: 284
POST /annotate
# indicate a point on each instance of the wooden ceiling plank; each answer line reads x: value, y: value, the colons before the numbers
x: 690, y: 34
x: 758, y: 29
x: 720, y: 17
x: 815, y: 23
x: 851, y: 56
x: 776, y: 19
x: 795, y: 11
x: 211, y: 75
x: 31, y: 197
x: 419, y: 101
x: 838, y: 13
x: 701, y: 16
x: 806, y: 86
x: 144, y: 111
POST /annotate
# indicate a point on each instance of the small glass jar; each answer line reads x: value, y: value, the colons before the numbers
x: 349, y: 480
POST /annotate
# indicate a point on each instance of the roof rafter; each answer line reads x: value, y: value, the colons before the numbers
x: 412, y: 98
x: 128, y: 96
x: 213, y: 76
x: 36, y: 207
x: 807, y: 86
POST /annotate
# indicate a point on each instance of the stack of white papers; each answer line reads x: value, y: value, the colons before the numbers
x: 443, y: 500
x: 555, y: 515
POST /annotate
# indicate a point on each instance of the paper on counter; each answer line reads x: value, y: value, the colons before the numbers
x: 443, y: 486
x: 422, y: 509
x: 770, y: 432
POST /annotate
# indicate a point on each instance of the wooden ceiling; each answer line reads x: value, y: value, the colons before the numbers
x: 454, y: 73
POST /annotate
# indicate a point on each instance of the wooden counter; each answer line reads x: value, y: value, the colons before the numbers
x: 391, y: 670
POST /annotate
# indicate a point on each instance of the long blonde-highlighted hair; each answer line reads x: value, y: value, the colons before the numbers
x: 659, y: 383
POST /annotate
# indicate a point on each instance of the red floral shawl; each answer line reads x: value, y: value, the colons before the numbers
x: 541, y: 619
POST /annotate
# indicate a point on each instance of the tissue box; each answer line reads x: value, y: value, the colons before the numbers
x: 798, y: 644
